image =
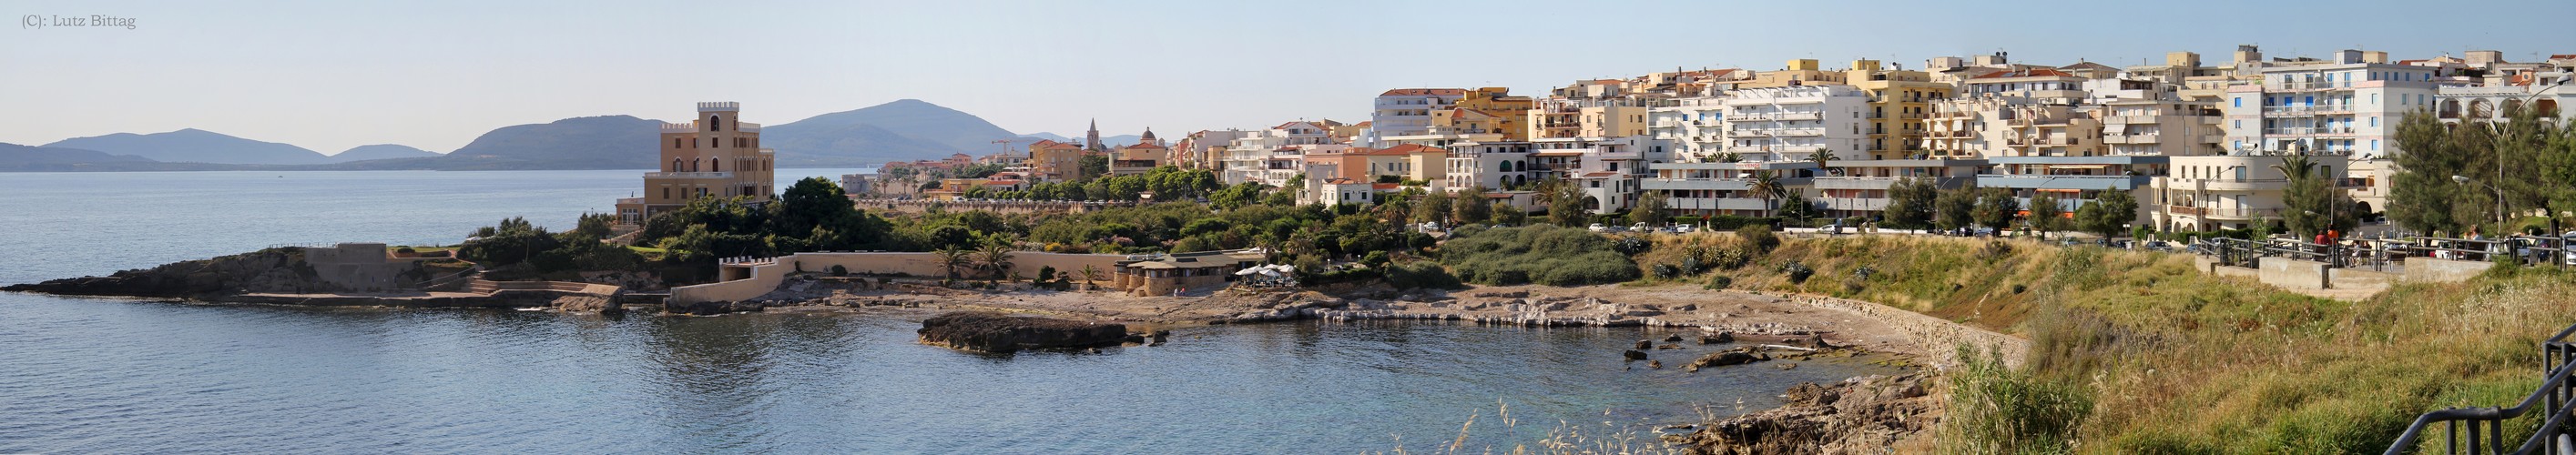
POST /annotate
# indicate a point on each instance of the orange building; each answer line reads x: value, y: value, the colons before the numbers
x: 716, y: 155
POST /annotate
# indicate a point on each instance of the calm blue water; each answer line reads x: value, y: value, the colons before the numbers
x: 95, y: 375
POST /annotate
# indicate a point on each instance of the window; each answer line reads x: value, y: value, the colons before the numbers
x: 714, y: 120
x: 2374, y: 122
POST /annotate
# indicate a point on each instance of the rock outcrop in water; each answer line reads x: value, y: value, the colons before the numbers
x: 1869, y: 414
x: 269, y: 270
x: 997, y: 332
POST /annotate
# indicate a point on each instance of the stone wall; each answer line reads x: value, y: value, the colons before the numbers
x: 2291, y: 273
x: 363, y: 267
x: 764, y: 277
x: 2430, y: 270
x: 1938, y: 338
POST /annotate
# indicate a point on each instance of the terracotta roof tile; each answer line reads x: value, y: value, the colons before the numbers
x: 1424, y: 91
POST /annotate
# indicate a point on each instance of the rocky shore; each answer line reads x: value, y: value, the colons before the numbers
x: 987, y: 331
x: 1871, y: 414
x: 269, y: 270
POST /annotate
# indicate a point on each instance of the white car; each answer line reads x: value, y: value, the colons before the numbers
x: 1597, y: 227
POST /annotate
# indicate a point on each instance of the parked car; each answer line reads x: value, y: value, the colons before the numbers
x: 1597, y: 227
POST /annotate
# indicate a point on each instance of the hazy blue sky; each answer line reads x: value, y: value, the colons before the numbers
x: 333, y: 75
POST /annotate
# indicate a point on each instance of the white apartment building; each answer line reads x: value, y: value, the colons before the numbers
x: 1407, y: 111
x: 2344, y: 106
x: 1692, y: 129
x: 1788, y: 123
x: 1494, y: 165
x: 2231, y: 191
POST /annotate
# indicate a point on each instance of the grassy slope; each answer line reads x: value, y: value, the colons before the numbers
x: 2179, y: 360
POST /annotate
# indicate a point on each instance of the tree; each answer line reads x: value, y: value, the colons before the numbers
x: 1766, y: 185
x: 1996, y: 208
x: 1470, y: 206
x: 595, y: 225
x: 1822, y: 157
x: 1955, y: 208
x: 2422, y: 195
x: 1091, y: 276
x: 2118, y: 208
x: 952, y: 258
x: 1730, y: 157
x: 2313, y: 204
x: 1565, y: 207
x: 1506, y: 214
x: 2088, y: 218
x: 1093, y: 167
x: 1910, y: 202
x: 1651, y: 209
x: 2045, y: 215
x: 1432, y: 207
x: 995, y: 258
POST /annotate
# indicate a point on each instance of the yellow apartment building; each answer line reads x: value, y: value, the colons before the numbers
x: 1899, y: 101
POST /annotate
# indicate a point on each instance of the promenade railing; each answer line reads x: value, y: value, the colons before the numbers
x: 2484, y: 426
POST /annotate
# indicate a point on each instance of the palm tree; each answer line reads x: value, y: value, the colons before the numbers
x: 951, y: 258
x: 1822, y: 157
x: 1730, y: 157
x: 1090, y: 276
x: 2297, y: 168
x: 1767, y: 185
x: 995, y: 258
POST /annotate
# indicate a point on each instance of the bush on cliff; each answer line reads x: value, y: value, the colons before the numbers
x: 1420, y: 274
x: 1549, y: 255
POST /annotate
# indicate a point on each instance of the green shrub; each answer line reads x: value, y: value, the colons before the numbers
x: 1758, y: 239
x: 1420, y: 274
x: 1994, y: 409
x: 1798, y: 273
x: 1716, y: 282
x: 1667, y: 271
x: 1550, y: 255
x: 838, y: 270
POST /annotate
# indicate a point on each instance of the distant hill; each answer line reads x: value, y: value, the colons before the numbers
x: 605, y: 142
x: 195, y: 146
x: 380, y: 152
x: 1122, y: 140
x: 14, y: 157
x: 902, y: 130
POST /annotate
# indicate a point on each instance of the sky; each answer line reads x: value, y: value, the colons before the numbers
x: 333, y: 75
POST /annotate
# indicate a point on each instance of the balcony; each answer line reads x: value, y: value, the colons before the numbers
x: 2222, y: 213
x: 2307, y: 85
x: 688, y: 175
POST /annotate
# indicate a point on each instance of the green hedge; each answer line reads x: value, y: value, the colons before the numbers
x: 1542, y: 254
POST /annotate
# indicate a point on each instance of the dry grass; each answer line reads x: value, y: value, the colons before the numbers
x: 2181, y: 361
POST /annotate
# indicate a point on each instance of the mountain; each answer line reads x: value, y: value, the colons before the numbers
x: 604, y: 142
x: 195, y: 146
x: 379, y: 152
x: 14, y: 157
x: 849, y: 146
x: 1046, y: 136
x: 907, y: 129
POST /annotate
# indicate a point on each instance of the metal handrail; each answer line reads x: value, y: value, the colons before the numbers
x: 2552, y: 397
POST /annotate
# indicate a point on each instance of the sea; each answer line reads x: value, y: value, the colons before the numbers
x: 91, y: 375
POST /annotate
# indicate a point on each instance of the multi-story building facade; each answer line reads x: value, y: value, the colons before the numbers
x: 2231, y: 191
x: 1693, y: 129
x: 1056, y: 161
x: 1899, y: 102
x: 1789, y: 123
x: 716, y: 155
x: 2345, y: 106
x: 1407, y: 111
